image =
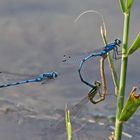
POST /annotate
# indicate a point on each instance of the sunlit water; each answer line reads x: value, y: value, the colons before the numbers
x: 34, y: 38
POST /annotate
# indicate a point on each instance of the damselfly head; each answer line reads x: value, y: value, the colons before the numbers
x: 118, y: 41
x: 97, y: 83
x: 55, y: 75
x: 50, y: 75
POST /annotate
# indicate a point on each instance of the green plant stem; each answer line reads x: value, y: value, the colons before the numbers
x: 120, y: 99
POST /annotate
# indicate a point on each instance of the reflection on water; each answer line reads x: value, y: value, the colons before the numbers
x: 34, y: 37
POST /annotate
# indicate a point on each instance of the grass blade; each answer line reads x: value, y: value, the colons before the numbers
x: 122, y: 5
x: 128, y: 4
x: 135, y: 46
x: 68, y: 123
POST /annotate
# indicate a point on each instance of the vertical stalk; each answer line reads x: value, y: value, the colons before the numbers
x: 120, y: 99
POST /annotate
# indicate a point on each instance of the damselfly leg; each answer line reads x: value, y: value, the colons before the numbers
x: 116, y: 54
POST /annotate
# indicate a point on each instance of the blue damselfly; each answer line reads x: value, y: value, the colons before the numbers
x: 41, y: 78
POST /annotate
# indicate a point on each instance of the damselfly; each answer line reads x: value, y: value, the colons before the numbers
x: 100, y: 52
x: 42, y: 78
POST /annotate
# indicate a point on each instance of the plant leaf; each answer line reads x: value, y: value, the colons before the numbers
x: 131, y: 105
x: 134, y: 46
x: 122, y: 5
x: 129, y: 4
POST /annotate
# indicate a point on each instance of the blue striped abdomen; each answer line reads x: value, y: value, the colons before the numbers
x: 38, y: 79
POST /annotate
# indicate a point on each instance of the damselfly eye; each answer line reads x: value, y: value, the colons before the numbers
x: 118, y: 41
x: 44, y: 75
x: 55, y: 75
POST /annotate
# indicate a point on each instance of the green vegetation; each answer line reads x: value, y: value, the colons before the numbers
x: 68, y: 124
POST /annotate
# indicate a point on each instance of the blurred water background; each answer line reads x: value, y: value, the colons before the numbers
x: 34, y: 37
